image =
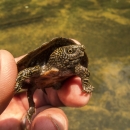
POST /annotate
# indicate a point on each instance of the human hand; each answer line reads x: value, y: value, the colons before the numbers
x: 48, y: 117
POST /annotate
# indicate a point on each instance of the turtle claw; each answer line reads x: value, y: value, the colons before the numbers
x: 30, y: 112
x: 28, y: 119
x: 89, y: 88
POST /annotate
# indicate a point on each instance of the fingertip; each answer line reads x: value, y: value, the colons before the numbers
x: 77, y: 42
x: 8, y: 73
x: 71, y: 93
x: 50, y: 119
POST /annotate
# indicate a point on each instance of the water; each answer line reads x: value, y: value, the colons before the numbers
x: 103, y: 27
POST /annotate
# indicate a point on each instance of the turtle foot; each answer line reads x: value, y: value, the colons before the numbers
x: 30, y: 113
x: 89, y: 88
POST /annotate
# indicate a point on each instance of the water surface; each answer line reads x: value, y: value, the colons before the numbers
x: 103, y: 27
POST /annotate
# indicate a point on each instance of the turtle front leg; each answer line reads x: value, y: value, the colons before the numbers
x: 84, y: 74
x: 26, y: 74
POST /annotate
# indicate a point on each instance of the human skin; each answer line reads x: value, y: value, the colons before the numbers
x: 48, y: 116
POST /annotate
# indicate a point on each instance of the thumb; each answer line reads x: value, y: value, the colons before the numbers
x: 8, y: 73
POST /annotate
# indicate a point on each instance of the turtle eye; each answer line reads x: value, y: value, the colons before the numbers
x: 70, y: 51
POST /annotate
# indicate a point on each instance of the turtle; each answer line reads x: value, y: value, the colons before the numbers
x: 50, y: 65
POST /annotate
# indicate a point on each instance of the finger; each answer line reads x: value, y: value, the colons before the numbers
x: 8, y: 72
x: 77, y: 42
x: 50, y: 119
x: 19, y: 58
x: 71, y: 93
x: 11, y: 118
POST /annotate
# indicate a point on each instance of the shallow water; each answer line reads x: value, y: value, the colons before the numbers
x: 103, y: 27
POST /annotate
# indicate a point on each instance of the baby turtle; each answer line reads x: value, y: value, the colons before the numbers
x: 49, y: 66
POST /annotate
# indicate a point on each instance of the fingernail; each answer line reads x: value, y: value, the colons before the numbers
x: 48, y: 123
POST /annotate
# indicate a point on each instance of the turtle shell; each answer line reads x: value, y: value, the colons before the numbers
x: 41, y: 55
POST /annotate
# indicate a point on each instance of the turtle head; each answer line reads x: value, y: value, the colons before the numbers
x: 66, y: 56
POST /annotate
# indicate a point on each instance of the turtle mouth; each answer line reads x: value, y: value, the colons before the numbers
x: 81, y: 51
x: 81, y: 54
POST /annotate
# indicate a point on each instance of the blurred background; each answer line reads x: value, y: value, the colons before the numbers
x: 103, y: 26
